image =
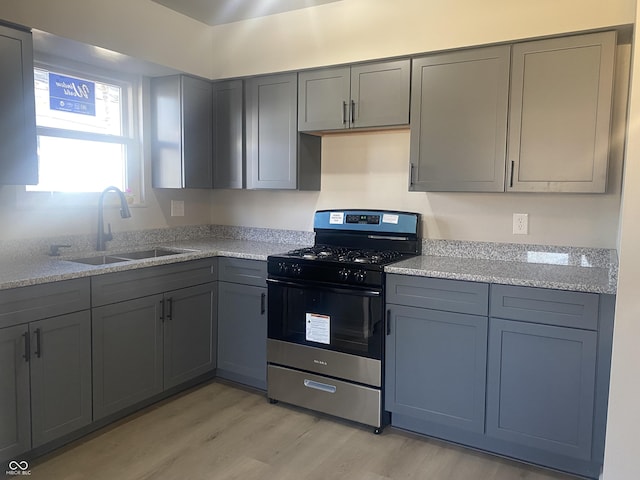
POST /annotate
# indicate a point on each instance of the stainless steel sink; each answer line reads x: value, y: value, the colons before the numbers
x: 153, y: 253
x: 127, y: 256
x: 99, y: 260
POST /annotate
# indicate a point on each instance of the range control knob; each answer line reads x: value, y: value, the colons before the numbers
x: 282, y: 267
x: 343, y: 274
x: 296, y: 269
x: 359, y: 276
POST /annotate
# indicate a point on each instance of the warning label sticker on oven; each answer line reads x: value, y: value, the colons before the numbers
x: 336, y: 218
x: 318, y: 328
x: 390, y: 218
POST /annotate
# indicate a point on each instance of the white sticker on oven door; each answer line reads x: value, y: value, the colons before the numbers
x: 318, y: 328
x: 389, y: 218
x: 336, y: 218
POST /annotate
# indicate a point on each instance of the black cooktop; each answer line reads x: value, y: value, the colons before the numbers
x: 347, y: 255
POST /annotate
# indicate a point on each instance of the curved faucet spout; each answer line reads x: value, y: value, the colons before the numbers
x: 103, y: 238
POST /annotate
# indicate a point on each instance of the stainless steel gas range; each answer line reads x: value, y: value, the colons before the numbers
x: 326, y: 317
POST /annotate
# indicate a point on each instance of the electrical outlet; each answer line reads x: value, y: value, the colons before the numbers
x: 520, y: 223
x: 177, y: 208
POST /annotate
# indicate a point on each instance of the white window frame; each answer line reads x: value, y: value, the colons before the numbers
x: 131, y: 86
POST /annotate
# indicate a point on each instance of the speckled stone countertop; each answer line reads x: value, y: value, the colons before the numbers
x: 562, y: 268
x: 24, y: 270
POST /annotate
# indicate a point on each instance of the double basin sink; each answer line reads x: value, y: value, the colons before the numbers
x: 127, y: 256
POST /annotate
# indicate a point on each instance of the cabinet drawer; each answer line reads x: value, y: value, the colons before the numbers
x: 121, y: 286
x: 240, y: 270
x: 35, y: 302
x: 438, y: 294
x: 541, y: 305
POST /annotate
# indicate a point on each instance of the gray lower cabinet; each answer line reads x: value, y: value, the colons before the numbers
x: 15, y: 413
x: 228, y: 134
x: 150, y: 335
x: 459, y: 104
x: 242, y: 322
x: 436, y: 366
x: 277, y: 155
x: 181, y: 129
x: 560, y: 112
x: 45, y: 364
x: 540, y: 389
x: 127, y: 353
x: 18, y: 156
x: 365, y: 95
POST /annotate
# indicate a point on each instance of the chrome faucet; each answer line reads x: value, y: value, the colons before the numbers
x: 103, y: 238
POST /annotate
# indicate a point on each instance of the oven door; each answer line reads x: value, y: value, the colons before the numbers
x: 347, y: 320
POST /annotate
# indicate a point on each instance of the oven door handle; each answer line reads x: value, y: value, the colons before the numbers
x: 325, y: 288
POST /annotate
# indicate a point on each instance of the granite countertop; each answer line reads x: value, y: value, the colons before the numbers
x: 24, y: 270
x: 564, y: 268
x: 553, y: 270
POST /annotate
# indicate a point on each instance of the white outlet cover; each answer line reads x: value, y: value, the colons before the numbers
x: 520, y: 223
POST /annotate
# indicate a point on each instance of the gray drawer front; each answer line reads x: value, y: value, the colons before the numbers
x: 438, y: 294
x: 121, y: 286
x: 346, y: 400
x: 35, y: 302
x: 541, y: 305
x: 241, y: 270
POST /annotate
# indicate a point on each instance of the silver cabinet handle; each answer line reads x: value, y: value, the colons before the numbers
x: 323, y: 387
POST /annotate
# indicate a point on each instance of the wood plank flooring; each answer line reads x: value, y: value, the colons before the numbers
x: 221, y: 432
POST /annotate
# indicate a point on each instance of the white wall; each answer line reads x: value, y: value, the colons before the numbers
x: 623, y: 425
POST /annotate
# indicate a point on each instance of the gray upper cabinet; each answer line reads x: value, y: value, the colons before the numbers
x: 459, y: 104
x: 561, y: 94
x: 367, y: 95
x: 228, y: 134
x: 18, y: 157
x: 278, y: 157
x: 182, y: 125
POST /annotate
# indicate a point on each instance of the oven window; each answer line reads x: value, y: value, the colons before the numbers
x: 335, y: 319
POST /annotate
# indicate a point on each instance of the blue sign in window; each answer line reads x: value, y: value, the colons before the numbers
x: 69, y: 94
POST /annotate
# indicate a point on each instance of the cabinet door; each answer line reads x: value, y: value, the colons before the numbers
x: 18, y: 158
x: 540, y: 388
x: 242, y: 334
x: 435, y: 366
x: 272, y: 131
x: 380, y: 94
x: 15, y: 415
x: 459, y: 105
x: 228, y: 134
x: 181, y: 109
x: 189, y: 333
x: 323, y: 99
x: 60, y: 375
x: 560, y: 114
x: 127, y: 354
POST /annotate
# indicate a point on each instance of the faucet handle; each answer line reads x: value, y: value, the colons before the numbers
x: 53, y: 249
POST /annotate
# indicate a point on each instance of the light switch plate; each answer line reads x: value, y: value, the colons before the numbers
x: 177, y: 208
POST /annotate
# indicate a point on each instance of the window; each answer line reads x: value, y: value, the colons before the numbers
x: 86, y: 135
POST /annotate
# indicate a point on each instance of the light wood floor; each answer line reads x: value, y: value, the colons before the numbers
x: 220, y: 432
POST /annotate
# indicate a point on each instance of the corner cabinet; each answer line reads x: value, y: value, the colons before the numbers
x: 182, y: 125
x: 228, y: 134
x: 459, y: 104
x: 361, y: 96
x: 18, y: 156
x: 278, y: 156
x: 559, y: 122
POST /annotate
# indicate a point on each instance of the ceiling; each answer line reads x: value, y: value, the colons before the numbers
x: 217, y: 12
